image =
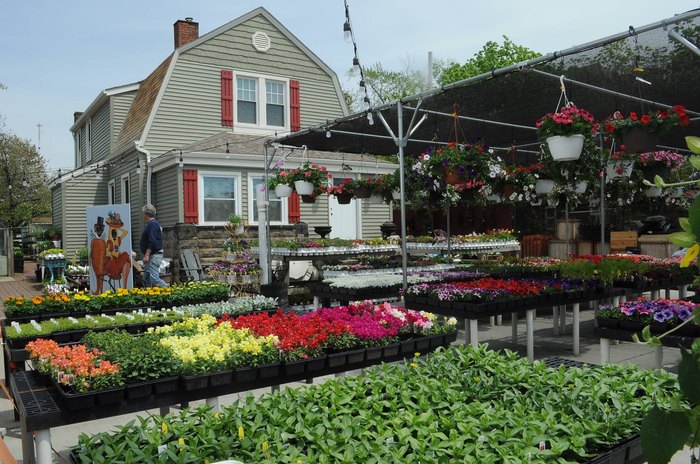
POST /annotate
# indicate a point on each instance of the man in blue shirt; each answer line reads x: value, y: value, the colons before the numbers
x: 152, y: 248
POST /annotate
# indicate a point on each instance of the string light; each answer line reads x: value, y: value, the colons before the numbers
x: 366, y: 100
x: 349, y: 36
x: 328, y: 134
x: 182, y: 161
x: 356, y: 66
x: 362, y: 84
x: 59, y: 179
x: 98, y: 174
x: 370, y: 118
x: 347, y: 31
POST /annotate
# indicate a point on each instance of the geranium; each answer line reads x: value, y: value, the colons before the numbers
x: 347, y: 187
x: 310, y: 172
x: 659, y: 121
x: 570, y: 120
x: 281, y: 177
x: 474, y: 163
x: 671, y: 159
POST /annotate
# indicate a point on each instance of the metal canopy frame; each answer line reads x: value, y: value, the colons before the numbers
x: 347, y: 126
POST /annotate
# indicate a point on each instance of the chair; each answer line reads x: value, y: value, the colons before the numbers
x: 191, y: 269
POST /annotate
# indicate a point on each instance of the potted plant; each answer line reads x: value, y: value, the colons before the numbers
x: 282, y: 182
x: 465, y: 164
x: 18, y: 260
x: 565, y: 132
x: 641, y: 133
x: 660, y: 163
x: 363, y: 187
x: 619, y: 164
x: 309, y: 177
x: 343, y: 192
x: 519, y: 183
x: 236, y: 223
x: 54, y: 234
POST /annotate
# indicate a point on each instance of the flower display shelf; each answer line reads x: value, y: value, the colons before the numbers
x: 622, y: 333
x: 331, y: 252
x: 393, y: 270
x: 655, y: 284
x: 325, y: 291
x: 474, y: 247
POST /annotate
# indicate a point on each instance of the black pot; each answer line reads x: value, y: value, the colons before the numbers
x: 356, y: 356
x: 245, y: 374
x: 165, y: 385
x: 337, y: 359
x: 374, y: 353
x: 194, y: 382
x: 408, y: 346
x: 391, y: 351
x: 363, y: 192
x: 139, y: 390
x: 639, y: 140
x: 267, y: 371
x: 437, y: 340
x: 450, y: 338
x: 308, y: 198
x: 294, y: 367
x: 111, y: 396
x: 422, y: 343
x: 221, y: 378
x: 315, y: 364
x: 19, y: 265
x: 608, y: 323
x: 343, y: 198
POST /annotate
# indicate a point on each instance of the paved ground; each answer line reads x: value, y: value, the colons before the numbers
x: 498, y: 337
x: 20, y: 285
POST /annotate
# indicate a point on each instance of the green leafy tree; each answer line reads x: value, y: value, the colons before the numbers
x: 492, y: 56
x: 24, y: 182
x: 384, y: 86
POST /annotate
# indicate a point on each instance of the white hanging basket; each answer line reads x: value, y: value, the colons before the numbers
x: 283, y: 190
x: 566, y: 148
x: 677, y: 192
x: 580, y: 187
x: 653, y: 192
x: 303, y: 188
x: 396, y: 194
x: 376, y: 200
x: 617, y: 169
x: 537, y: 202
x: 544, y: 186
x: 493, y: 197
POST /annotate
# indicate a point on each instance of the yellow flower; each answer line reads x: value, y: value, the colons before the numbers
x: 413, y: 365
x: 416, y: 354
x: 241, y: 432
x: 181, y: 441
x: 690, y: 255
x: 265, y: 446
x: 164, y: 427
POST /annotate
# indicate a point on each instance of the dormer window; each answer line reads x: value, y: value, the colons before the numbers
x: 261, y: 102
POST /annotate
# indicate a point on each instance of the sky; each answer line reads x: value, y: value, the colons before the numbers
x: 56, y: 56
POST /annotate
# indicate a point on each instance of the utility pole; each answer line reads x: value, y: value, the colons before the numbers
x: 38, y: 129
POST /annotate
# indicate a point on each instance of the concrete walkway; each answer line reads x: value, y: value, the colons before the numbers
x: 497, y: 337
x: 21, y: 285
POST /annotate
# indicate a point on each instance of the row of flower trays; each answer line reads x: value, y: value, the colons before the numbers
x: 204, y: 357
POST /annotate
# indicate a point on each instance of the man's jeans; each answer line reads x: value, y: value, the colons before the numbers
x: 151, y: 272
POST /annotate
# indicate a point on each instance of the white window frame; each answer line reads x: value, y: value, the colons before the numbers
x: 88, y: 140
x: 251, y: 203
x: 124, y: 190
x: 111, y: 191
x: 200, y: 194
x: 261, y: 104
x: 78, y: 154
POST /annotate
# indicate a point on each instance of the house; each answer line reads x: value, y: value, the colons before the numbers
x: 189, y: 137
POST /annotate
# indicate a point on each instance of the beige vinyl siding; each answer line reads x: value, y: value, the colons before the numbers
x: 83, y: 146
x: 167, y: 197
x: 373, y: 216
x: 101, y: 134
x: 57, y: 206
x: 120, y: 105
x: 78, y: 194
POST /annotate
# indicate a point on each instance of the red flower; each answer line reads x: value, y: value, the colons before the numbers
x: 646, y: 119
x: 633, y: 116
x: 307, y: 174
x: 610, y: 128
x: 685, y: 120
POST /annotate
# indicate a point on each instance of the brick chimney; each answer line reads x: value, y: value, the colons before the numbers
x: 77, y: 115
x: 185, y: 31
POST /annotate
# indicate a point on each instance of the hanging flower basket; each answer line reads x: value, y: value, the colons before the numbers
x: 639, y: 140
x: 363, y: 191
x: 566, y: 147
x: 649, y: 172
x: 451, y: 176
x: 396, y: 194
x: 303, y: 188
x: 308, y: 198
x: 615, y: 169
x: 343, y: 198
x: 581, y: 187
x: 283, y: 190
x: 543, y: 186
x: 376, y: 200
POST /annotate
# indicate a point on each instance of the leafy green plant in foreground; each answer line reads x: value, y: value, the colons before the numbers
x: 460, y: 405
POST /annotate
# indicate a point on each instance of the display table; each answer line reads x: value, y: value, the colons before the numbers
x: 328, y: 253
x: 464, y: 247
x: 624, y: 335
x: 56, y: 268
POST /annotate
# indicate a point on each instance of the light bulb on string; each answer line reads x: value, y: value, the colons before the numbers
x: 362, y: 84
x: 370, y: 118
x: 366, y: 101
x: 98, y: 174
x: 347, y: 32
x: 182, y: 161
x: 59, y: 179
x: 355, y: 66
x: 328, y: 134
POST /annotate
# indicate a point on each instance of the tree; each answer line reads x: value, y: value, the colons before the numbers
x: 384, y: 86
x: 24, y: 182
x: 492, y: 56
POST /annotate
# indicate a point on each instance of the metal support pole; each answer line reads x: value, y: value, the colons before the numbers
x: 555, y: 320
x: 263, y: 238
x: 659, y: 357
x: 602, y: 195
x: 474, y: 332
x: 43, y: 446
x: 213, y: 403
x: 689, y: 45
x: 402, y: 144
x: 562, y: 319
x: 604, y: 350
x: 529, y: 317
x: 492, y: 321
x: 568, y: 228
x: 467, y: 338
x: 449, y: 234
x: 514, y: 327
x: 682, y: 291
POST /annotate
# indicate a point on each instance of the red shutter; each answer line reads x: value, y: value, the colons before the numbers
x: 294, y: 106
x: 226, y: 97
x: 191, y: 202
x: 294, y: 208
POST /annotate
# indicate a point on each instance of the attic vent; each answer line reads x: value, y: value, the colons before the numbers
x: 261, y: 41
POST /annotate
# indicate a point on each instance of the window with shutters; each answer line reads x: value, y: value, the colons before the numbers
x: 261, y: 102
x: 219, y: 195
x: 277, y: 209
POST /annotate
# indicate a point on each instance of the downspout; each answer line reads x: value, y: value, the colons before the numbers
x: 149, y: 169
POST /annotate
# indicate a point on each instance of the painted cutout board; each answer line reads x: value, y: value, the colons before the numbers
x: 109, y: 247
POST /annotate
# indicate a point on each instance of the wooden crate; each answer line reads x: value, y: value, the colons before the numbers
x: 619, y: 241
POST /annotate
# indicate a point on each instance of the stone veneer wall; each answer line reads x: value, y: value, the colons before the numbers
x: 208, y: 241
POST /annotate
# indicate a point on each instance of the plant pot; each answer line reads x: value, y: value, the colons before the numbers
x: 343, y: 198
x: 111, y: 396
x: 194, y: 382
x: 376, y: 200
x: 267, y: 371
x: 566, y: 148
x: 303, y: 187
x: 356, y: 356
x: 374, y: 353
x: 451, y: 176
x: 450, y: 337
x: 363, y: 192
x: 615, y: 169
x: 283, y: 191
x: 75, y: 401
x: 661, y: 170
x: 422, y: 343
x: 437, y: 340
x: 315, y: 364
x: 608, y: 323
x: 165, y: 385
x: 396, y: 194
x: 18, y: 265
x: 408, y: 346
x: 639, y: 140
x: 653, y: 192
x: 308, y: 198
x: 508, y: 190
x: 224, y: 377
x: 337, y: 359
x: 294, y: 367
x: 581, y: 187
x: 245, y: 374
x: 391, y: 351
x: 543, y: 186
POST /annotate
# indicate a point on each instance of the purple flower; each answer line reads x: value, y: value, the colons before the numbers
x: 684, y: 314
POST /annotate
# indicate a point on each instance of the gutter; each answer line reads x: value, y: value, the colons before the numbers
x: 149, y: 169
